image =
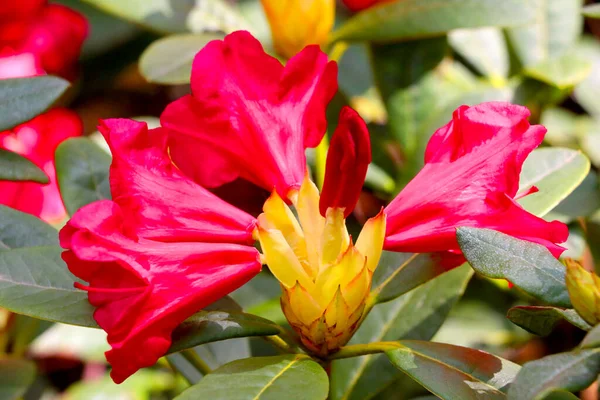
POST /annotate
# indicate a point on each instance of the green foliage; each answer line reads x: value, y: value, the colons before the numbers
x: 14, y: 167
x: 263, y: 378
x: 24, y: 98
x: 15, y: 377
x: 541, y: 320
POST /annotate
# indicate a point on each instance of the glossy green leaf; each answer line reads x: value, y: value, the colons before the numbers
x: 591, y: 11
x: 34, y: 280
x: 569, y: 371
x: 529, y: 266
x: 263, y: 378
x: 169, y: 60
x: 169, y: 16
x: 556, y: 172
x: 413, y: 19
x: 21, y: 99
x: 564, y: 71
x: 14, y: 167
x: 454, y: 372
x: 398, y: 273
x: 485, y: 49
x: 556, y: 27
x: 542, y: 320
x: 82, y: 173
x: 592, y: 339
x: 15, y: 377
x: 417, y: 314
x: 210, y: 326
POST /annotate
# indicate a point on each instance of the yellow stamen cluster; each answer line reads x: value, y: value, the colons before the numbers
x: 325, y: 278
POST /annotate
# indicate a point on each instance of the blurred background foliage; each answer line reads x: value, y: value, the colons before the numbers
x: 405, y: 72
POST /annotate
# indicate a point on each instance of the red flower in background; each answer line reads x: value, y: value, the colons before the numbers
x: 249, y: 116
x: 36, y: 38
x: 357, y: 5
x: 162, y: 250
x: 471, y: 178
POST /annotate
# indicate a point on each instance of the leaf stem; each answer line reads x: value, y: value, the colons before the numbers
x: 281, y: 344
x: 356, y: 350
x: 197, y: 362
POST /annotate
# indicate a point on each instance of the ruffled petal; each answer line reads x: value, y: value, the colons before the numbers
x: 249, y: 116
x: 471, y: 179
x: 143, y: 289
x: 158, y: 201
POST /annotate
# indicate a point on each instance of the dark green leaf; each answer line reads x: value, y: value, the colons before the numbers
x: 569, y: 371
x: 417, y: 314
x: 591, y: 10
x: 556, y: 28
x: 592, y: 339
x: 82, y: 173
x: 529, y: 266
x: 413, y: 19
x: 211, y: 326
x: 169, y: 60
x: 398, y: 273
x: 454, y: 372
x: 263, y: 378
x: 541, y: 320
x: 14, y: 167
x: 15, y: 377
x: 21, y: 99
x: 18, y: 229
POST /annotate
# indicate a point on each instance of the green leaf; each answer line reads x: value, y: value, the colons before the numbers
x: 414, y: 19
x: 569, y: 371
x: 34, y: 280
x: 485, y: 49
x: 263, y: 378
x: 541, y: 320
x: 556, y: 172
x: 211, y: 326
x: 14, y: 167
x: 592, y: 339
x: 398, y: 273
x: 15, y: 377
x: 82, y: 173
x: 591, y: 11
x: 586, y: 93
x: 529, y: 266
x: 169, y: 60
x: 417, y: 314
x: 556, y: 28
x: 563, y: 72
x: 454, y: 372
x: 169, y: 16
x: 21, y: 99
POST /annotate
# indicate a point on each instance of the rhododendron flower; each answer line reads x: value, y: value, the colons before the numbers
x: 161, y: 250
x: 51, y: 33
x: 357, y: 5
x: 471, y: 178
x: 37, y: 140
x: 325, y: 278
x: 298, y: 23
x: 245, y: 106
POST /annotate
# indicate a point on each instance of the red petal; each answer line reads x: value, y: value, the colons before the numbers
x: 347, y: 161
x: 143, y: 289
x: 159, y: 202
x: 470, y: 179
x: 249, y: 116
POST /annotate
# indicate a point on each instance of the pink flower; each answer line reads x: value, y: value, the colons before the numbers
x: 37, y: 140
x: 471, y: 178
x: 250, y: 117
x: 163, y: 249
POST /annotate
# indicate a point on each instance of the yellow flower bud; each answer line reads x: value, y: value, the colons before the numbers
x: 298, y: 23
x: 325, y: 278
x: 584, y: 291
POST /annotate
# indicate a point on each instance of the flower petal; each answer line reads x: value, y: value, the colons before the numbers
x: 143, y: 289
x: 158, y: 201
x: 250, y: 116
